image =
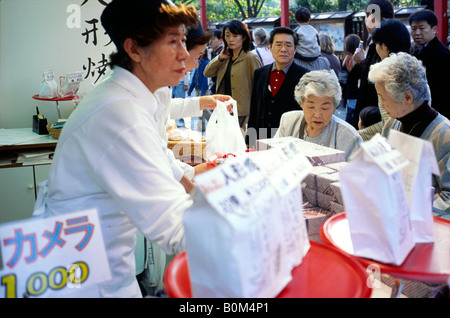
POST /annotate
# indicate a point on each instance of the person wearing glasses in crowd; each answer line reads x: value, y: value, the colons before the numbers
x: 273, y: 86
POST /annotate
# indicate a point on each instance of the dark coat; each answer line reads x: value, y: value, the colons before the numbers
x: 436, y: 59
x: 265, y: 109
x: 367, y: 94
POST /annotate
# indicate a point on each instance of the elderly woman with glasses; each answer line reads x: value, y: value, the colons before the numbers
x: 403, y: 91
x: 319, y: 93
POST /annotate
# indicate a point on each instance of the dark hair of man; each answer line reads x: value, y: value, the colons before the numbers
x: 201, y: 40
x: 370, y: 115
x: 351, y: 43
x: 238, y: 27
x: 394, y: 34
x: 136, y: 25
x: 302, y: 15
x: 217, y: 33
x: 386, y: 8
x: 282, y: 30
x: 424, y: 15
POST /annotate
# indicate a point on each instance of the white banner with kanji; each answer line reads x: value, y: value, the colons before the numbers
x: 52, y: 257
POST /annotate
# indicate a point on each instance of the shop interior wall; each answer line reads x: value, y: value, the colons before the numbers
x: 47, y: 34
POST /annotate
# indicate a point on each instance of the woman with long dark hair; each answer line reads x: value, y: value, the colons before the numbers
x: 234, y: 67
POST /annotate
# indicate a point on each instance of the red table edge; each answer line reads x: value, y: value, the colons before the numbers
x: 56, y: 99
x: 177, y: 261
x: 387, y: 268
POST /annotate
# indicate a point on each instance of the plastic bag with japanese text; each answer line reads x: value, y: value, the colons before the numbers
x: 70, y: 84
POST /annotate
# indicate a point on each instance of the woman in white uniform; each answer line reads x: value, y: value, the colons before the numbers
x: 110, y: 156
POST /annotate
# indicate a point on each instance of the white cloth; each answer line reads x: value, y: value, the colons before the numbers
x: 308, y: 44
x: 265, y: 55
x: 111, y: 157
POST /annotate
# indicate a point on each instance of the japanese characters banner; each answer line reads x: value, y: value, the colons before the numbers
x: 52, y: 257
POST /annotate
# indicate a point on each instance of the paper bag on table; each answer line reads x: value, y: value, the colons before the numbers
x: 245, y: 231
x: 417, y: 178
x: 375, y: 202
x: 223, y: 133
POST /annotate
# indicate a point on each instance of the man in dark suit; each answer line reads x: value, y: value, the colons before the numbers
x: 376, y: 12
x: 434, y: 55
x: 273, y: 87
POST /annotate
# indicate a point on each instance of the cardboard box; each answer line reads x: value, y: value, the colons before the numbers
x: 317, y: 198
x: 321, y: 177
x: 318, y: 155
x: 335, y: 188
x: 187, y: 148
x: 315, y: 217
x: 336, y: 208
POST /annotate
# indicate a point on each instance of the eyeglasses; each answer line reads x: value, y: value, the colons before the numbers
x: 279, y: 46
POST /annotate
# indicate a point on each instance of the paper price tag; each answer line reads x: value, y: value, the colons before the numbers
x: 74, y: 78
x: 286, y: 166
x: 379, y: 151
x: 52, y: 257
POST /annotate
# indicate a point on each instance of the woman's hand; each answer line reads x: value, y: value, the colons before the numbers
x: 225, y: 55
x: 210, y: 101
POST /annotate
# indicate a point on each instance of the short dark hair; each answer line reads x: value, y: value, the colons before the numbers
x: 282, y: 30
x: 238, y: 27
x: 386, y: 8
x: 302, y: 15
x: 142, y: 21
x: 394, y: 34
x: 351, y: 43
x: 217, y: 33
x: 370, y: 115
x: 424, y: 15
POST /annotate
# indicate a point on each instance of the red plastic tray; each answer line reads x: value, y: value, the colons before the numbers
x: 56, y: 99
x: 428, y: 262
x: 324, y: 273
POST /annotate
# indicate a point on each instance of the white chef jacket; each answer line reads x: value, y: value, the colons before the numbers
x: 111, y: 157
x: 179, y: 108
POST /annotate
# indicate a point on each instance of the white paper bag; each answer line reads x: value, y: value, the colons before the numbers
x: 245, y: 231
x: 223, y: 133
x: 375, y: 202
x: 417, y: 180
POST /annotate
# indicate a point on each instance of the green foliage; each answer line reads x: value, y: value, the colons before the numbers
x: 218, y: 10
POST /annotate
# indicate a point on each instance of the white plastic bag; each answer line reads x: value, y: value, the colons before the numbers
x: 246, y: 231
x: 70, y: 84
x: 223, y: 133
x: 375, y: 202
x: 417, y: 180
x: 49, y: 87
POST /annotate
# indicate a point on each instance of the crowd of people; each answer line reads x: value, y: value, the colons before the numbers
x: 286, y: 83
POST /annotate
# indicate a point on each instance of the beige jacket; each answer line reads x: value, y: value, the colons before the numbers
x: 241, y: 78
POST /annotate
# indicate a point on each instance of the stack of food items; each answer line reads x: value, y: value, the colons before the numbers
x: 321, y: 190
x: 185, y: 142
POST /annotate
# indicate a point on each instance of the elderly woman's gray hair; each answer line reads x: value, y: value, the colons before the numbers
x: 401, y: 73
x: 319, y: 83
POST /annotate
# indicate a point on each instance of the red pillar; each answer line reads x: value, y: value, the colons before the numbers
x: 203, y: 14
x: 285, y: 13
x: 440, y: 8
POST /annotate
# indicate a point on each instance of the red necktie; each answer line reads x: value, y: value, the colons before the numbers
x: 276, y: 79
